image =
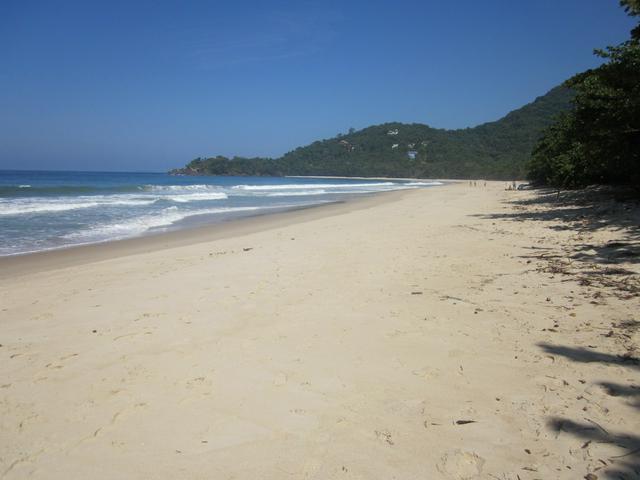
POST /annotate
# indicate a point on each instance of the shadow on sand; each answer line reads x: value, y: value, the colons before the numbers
x: 626, y: 465
x: 587, y: 355
x: 585, y: 211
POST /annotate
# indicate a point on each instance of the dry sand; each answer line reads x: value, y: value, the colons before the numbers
x: 441, y: 333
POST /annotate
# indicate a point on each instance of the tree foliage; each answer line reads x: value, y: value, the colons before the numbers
x: 598, y: 140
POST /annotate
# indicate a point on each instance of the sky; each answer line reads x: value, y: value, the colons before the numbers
x: 150, y: 85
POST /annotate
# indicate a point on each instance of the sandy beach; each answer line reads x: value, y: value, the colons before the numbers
x: 454, y: 332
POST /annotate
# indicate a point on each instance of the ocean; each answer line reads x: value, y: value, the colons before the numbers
x: 48, y: 210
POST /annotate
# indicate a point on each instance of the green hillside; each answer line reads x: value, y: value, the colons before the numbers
x: 495, y: 150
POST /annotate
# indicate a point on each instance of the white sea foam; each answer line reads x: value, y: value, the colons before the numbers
x: 44, y: 205
x: 300, y: 193
x: 142, y: 224
x: 423, y: 184
x: 180, y: 188
x: 138, y: 202
x: 46, y: 218
x: 191, y: 197
x: 10, y: 208
x: 358, y: 188
x: 297, y: 186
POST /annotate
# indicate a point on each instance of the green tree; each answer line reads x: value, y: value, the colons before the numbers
x: 632, y: 7
x: 599, y: 140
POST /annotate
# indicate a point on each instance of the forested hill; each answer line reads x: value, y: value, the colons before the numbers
x: 495, y: 150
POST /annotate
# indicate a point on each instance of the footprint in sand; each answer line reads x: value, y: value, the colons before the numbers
x: 385, y: 436
x: 280, y: 380
x: 426, y: 372
x: 461, y: 465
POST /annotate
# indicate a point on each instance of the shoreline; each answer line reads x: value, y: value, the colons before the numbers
x: 66, y: 256
x: 458, y: 332
x: 402, y: 179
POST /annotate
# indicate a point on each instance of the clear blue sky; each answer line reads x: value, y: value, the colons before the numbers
x: 149, y: 85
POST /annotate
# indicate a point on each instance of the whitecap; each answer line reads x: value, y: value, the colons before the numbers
x: 180, y: 188
x: 300, y: 193
x: 301, y: 186
x: 142, y: 224
x: 423, y: 184
x: 195, y: 197
x: 40, y: 205
x: 9, y: 208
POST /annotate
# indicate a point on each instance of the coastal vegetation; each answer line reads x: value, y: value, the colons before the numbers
x: 494, y: 150
x: 598, y: 140
x: 585, y: 131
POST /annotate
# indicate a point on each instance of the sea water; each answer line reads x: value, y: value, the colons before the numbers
x: 47, y: 210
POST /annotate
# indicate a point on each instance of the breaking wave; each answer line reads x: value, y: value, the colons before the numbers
x: 43, y: 205
x: 196, y: 197
x: 142, y: 224
x: 297, y: 186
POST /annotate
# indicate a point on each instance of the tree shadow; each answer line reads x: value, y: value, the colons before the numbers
x: 585, y: 210
x: 610, y: 253
x: 585, y: 355
x: 632, y: 392
x: 626, y: 465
